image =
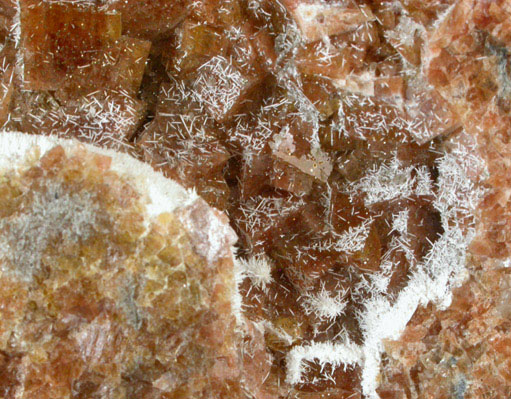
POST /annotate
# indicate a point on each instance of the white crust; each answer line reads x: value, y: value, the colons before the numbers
x: 163, y: 195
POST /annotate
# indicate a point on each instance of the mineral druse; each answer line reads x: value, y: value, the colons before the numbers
x: 360, y: 150
x: 104, y: 291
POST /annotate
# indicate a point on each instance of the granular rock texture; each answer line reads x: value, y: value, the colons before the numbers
x: 100, y: 299
x: 360, y: 150
x: 463, y: 351
x: 458, y: 352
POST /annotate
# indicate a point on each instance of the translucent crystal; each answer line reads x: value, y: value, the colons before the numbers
x: 103, y: 297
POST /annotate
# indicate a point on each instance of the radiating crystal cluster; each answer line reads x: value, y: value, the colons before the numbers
x: 343, y: 139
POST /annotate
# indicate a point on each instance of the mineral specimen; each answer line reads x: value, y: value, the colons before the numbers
x: 115, y: 281
x: 360, y: 150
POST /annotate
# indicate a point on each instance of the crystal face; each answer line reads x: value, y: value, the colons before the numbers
x: 98, y: 299
x: 360, y: 150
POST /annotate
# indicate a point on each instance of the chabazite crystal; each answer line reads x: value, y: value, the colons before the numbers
x: 104, y: 295
x: 360, y: 150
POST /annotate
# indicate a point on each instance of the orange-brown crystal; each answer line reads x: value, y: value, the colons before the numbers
x: 320, y: 128
x: 95, y: 300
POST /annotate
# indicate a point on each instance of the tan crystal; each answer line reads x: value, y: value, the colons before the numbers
x: 135, y: 306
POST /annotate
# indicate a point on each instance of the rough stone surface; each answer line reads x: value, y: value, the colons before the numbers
x: 360, y: 150
x: 101, y: 299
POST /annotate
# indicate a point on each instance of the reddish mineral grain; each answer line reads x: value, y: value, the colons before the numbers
x: 98, y: 296
x: 356, y: 147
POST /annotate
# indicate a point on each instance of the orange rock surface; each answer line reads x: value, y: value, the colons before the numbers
x: 359, y: 149
x: 99, y: 299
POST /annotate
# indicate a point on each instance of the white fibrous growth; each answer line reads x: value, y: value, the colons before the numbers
x: 107, y: 120
x: 424, y: 184
x: 386, y: 182
x: 350, y: 241
x: 457, y: 193
x: 258, y: 269
x: 219, y: 86
x: 182, y: 124
x: 257, y: 210
x: 342, y: 354
x: 325, y: 304
x: 400, y: 222
x: 15, y: 31
x: 288, y: 78
x: 101, y: 118
x: 254, y: 138
x: 5, y: 68
x: 367, y: 123
x: 52, y: 215
x: 392, y: 180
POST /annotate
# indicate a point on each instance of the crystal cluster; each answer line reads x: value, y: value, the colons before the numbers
x: 458, y: 352
x: 101, y: 298
x: 347, y: 141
